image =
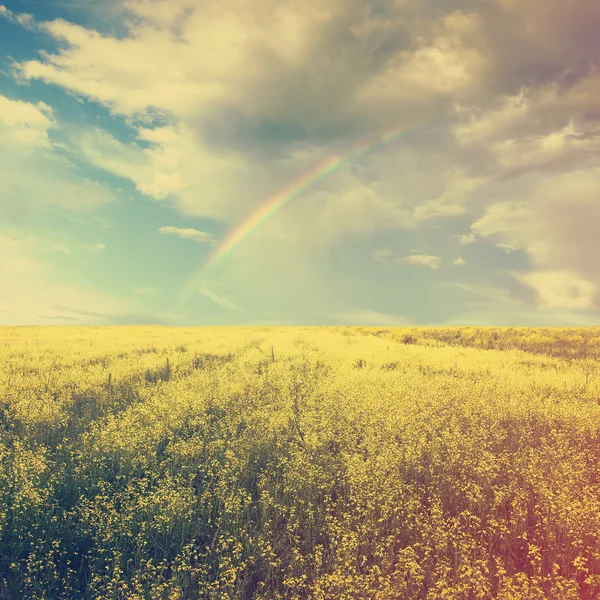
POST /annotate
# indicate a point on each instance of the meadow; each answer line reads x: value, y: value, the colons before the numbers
x: 321, y: 463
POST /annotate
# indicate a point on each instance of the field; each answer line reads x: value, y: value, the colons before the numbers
x: 152, y: 462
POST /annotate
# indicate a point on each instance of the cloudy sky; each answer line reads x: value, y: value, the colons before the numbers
x: 138, y: 136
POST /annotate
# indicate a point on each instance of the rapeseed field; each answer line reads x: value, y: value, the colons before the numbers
x: 321, y: 463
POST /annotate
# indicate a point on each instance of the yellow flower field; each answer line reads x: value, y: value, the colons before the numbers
x: 154, y: 462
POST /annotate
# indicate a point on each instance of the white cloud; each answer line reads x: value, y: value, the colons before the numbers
x: 189, y: 233
x: 76, y: 250
x: 467, y: 238
x: 555, y: 223
x: 33, y: 293
x: 492, y: 305
x: 508, y: 248
x: 24, y: 19
x: 25, y: 148
x: 556, y: 147
x: 459, y: 261
x: 561, y: 289
x: 199, y: 180
x: 458, y: 188
x: 478, y: 125
x: 424, y: 260
x: 60, y: 248
x: 502, y: 218
x: 161, y: 14
x: 552, y: 221
x: 382, y: 253
x: 24, y: 124
x: 144, y: 290
x: 218, y: 299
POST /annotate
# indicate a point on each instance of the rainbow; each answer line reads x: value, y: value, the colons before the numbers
x: 286, y: 194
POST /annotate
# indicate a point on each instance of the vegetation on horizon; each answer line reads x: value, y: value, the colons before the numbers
x: 322, y: 463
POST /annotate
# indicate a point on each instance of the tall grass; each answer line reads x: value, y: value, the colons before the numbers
x: 299, y: 463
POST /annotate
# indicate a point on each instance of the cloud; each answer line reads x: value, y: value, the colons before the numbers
x: 484, y: 296
x: 279, y: 65
x: 345, y: 205
x: 25, y: 148
x: 537, y: 42
x: 32, y: 291
x: 25, y: 125
x: 548, y: 128
x: 220, y: 300
x: 531, y: 113
x: 78, y: 219
x: 441, y: 67
x: 176, y: 165
x: 191, y: 234
x: 553, y: 223
x: 401, y: 187
x: 508, y: 248
x: 477, y: 125
x: 233, y: 70
x: 23, y: 19
x: 501, y: 218
x: 489, y: 304
x: 424, y: 260
x: 60, y: 248
x: 561, y: 289
x: 227, y: 56
x: 382, y: 254
x: 561, y: 149
x: 315, y: 67
x: 79, y: 248
x: 85, y: 313
x: 459, y: 261
x: 229, y: 105
x: 458, y: 188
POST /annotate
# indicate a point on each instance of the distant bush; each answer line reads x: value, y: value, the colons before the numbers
x: 391, y: 366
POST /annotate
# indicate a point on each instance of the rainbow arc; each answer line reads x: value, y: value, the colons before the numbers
x: 274, y: 203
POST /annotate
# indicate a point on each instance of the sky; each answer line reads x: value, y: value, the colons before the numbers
x: 259, y: 162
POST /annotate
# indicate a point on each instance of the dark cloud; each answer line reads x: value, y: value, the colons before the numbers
x: 227, y: 130
x: 574, y: 222
x: 538, y: 42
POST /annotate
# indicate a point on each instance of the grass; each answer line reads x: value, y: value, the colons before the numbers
x: 316, y: 463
